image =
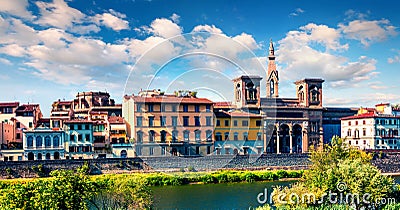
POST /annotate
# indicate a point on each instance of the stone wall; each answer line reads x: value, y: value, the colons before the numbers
x: 388, y: 164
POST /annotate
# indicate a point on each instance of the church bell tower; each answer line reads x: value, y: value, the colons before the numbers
x: 272, y: 75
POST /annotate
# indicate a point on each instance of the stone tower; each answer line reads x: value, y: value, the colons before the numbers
x: 247, y: 91
x: 272, y: 75
x: 309, y: 92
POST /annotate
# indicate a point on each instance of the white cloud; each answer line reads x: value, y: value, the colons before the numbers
x: 174, y: 17
x: 297, y: 12
x: 395, y: 58
x: 164, y: 28
x: 368, y: 32
x: 247, y: 40
x: 58, y: 14
x: 13, y: 50
x: 5, y: 61
x: 16, y: 8
x: 300, y: 58
x: 207, y: 28
x: 111, y: 21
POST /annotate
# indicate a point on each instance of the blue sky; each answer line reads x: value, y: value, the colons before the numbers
x: 54, y: 49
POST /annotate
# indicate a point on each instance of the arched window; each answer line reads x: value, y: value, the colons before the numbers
x: 29, y: 141
x: 47, y: 141
x: 218, y: 136
x: 349, y: 132
x: 209, y: 135
x: 226, y: 136
x: 272, y: 87
x: 151, y: 136
x: 39, y: 142
x: 39, y: 156
x: 163, y: 135
x: 139, y: 137
x: 314, y: 94
x: 197, y: 135
x: 56, y: 141
x: 236, y: 136
x: 259, y: 136
x: 174, y: 135
x: 48, y: 156
x: 186, y: 135
x: 245, y: 136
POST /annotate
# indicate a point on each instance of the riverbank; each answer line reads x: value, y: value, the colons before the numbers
x: 183, y: 178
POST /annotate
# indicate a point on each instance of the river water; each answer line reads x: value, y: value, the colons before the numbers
x: 214, y: 196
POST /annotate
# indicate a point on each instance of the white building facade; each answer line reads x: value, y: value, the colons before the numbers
x: 372, y: 131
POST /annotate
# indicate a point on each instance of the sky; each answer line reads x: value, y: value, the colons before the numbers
x: 52, y: 50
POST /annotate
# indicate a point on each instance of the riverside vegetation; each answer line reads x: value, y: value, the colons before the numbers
x: 76, y: 190
x: 339, y: 170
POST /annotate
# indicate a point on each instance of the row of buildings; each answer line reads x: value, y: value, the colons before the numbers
x: 155, y: 123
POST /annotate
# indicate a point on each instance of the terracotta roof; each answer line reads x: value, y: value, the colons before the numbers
x: 78, y: 121
x: 27, y: 107
x: 222, y: 103
x: 222, y: 113
x: 381, y: 104
x: 171, y: 99
x: 65, y: 102
x: 8, y: 104
x: 368, y: 115
x: 116, y: 120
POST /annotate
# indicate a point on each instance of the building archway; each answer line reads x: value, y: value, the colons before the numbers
x: 31, y: 156
x: 124, y: 154
x: 174, y: 152
x: 284, y: 138
x: 297, y: 138
x: 39, y: 156
x: 48, y: 156
x: 56, y: 155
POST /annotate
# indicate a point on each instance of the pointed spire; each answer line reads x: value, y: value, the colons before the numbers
x: 271, y: 49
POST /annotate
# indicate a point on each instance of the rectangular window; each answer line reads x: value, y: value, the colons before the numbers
x: 186, y: 136
x: 151, y: 151
x: 162, y: 107
x: 174, y: 121
x: 349, y: 123
x: 364, y: 132
x: 162, y: 150
x: 30, y: 124
x: 185, y: 121
x: 356, y: 122
x: 218, y: 123
x: 226, y: 123
x: 18, y: 135
x: 185, y: 108
x: 151, y: 121
x: 208, y: 121
x: 150, y: 108
x: 79, y: 127
x: 18, y: 125
x: 208, y: 108
x: 139, y: 121
x: 197, y: 108
x: 162, y: 120
x: 79, y: 137
x: 173, y: 107
x: 72, y: 137
x: 87, y: 127
x: 258, y: 123
x: 87, y: 137
x: 363, y: 122
x: 245, y: 123
x: 139, y: 107
x: 235, y: 123
x: 197, y: 121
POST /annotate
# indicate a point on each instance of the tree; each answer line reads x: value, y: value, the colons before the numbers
x: 337, y: 170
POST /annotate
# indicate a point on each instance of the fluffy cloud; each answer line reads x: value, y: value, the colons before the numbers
x: 301, y: 59
x: 164, y: 28
x: 207, y: 28
x: 58, y: 14
x: 16, y: 8
x: 368, y: 32
x: 112, y: 21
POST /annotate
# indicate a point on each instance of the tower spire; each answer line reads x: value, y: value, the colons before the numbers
x: 271, y: 49
x: 272, y: 74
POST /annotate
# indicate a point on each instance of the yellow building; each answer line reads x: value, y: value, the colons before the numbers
x: 238, y: 132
